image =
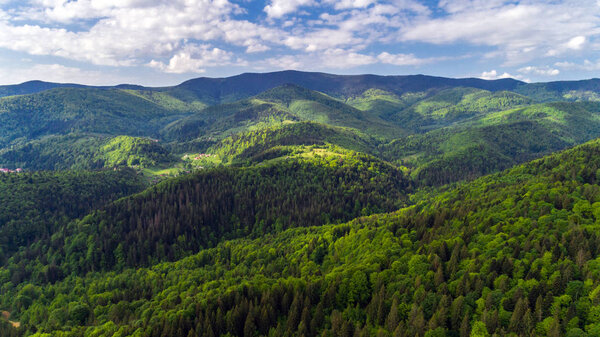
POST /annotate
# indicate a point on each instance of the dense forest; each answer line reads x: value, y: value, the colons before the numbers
x: 34, y: 205
x: 300, y: 204
x: 508, y: 253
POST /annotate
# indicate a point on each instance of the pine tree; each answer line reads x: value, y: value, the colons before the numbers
x: 516, y: 320
x: 465, y: 329
x: 318, y: 318
x: 249, y: 325
x: 392, y: 319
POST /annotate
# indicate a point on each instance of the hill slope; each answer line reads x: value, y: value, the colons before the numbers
x: 81, y: 151
x: 494, y: 141
x: 512, y: 253
x: 60, y: 111
x: 184, y: 215
x: 35, y: 205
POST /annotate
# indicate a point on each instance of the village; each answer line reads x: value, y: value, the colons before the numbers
x: 5, y: 170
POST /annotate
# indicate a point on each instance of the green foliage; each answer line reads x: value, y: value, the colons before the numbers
x: 132, y: 151
x: 512, y: 253
x: 60, y: 111
x: 85, y: 152
x: 253, y: 144
x: 494, y: 141
x: 292, y: 238
x: 184, y: 215
x: 34, y: 205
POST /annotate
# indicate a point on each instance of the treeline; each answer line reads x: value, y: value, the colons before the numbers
x: 34, y: 204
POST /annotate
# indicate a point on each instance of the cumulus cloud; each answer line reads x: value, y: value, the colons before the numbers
x: 279, y: 8
x: 335, y: 34
x: 402, y: 59
x: 335, y: 58
x: 127, y: 34
x: 193, y: 59
x: 285, y: 62
x: 345, y: 4
x: 587, y: 65
x: 494, y: 75
x: 576, y: 43
x: 544, y: 71
x: 339, y: 59
x: 520, y: 31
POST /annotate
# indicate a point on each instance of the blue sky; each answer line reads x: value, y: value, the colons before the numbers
x: 164, y: 42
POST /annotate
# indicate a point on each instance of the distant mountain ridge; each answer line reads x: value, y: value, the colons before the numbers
x: 427, y: 124
x: 259, y: 82
x: 229, y: 89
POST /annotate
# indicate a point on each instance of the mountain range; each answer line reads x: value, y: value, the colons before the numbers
x: 301, y: 204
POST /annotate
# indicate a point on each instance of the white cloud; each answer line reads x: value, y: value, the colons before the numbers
x: 544, y: 71
x: 256, y: 48
x: 402, y: 59
x: 576, y: 43
x: 279, y: 8
x: 335, y: 58
x: 493, y: 75
x: 346, y: 4
x: 519, y: 31
x: 336, y: 33
x: 587, y: 65
x: 339, y: 59
x: 156, y: 32
x: 285, y: 62
x: 565, y: 64
x: 193, y: 59
x: 126, y: 34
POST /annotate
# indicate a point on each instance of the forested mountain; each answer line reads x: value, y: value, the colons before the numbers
x: 184, y: 215
x: 495, y: 141
x: 514, y: 252
x: 214, y: 91
x: 259, y: 144
x: 431, y: 125
x: 34, y: 205
x: 85, y: 152
x: 64, y: 110
x: 32, y: 87
x: 300, y: 204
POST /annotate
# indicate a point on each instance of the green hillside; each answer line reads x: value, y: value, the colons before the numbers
x: 301, y: 204
x: 253, y: 144
x: 60, y: 111
x: 181, y: 216
x: 34, y: 205
x: 132, y: 151
x: 223, y: 120
x: 585, y: 90
x: 313, y: 106
x: 274, y: 107
x: 494, y: 141
x: 85, y: 152
x: 509, y: 253
x: 443, y: 135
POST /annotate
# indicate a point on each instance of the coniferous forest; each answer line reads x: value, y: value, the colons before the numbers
x: 301, y: 204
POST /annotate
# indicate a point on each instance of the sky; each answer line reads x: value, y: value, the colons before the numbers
x: 165, y: 42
